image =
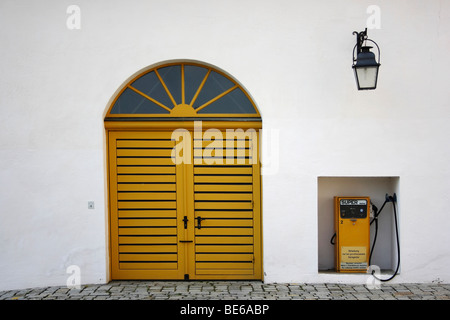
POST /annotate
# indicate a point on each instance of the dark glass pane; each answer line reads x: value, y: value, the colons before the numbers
x: 214, y: 85
x: 234, y: 102
x: 151, y: 86
x: 131, y: 102
x: 172, y: 78
x: 193, y: 77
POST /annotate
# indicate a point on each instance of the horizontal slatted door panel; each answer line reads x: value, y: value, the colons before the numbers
x: 230, y: 148
x: 223, y: 199
x: 145, y: 217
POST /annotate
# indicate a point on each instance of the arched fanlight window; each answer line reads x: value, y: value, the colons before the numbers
x: 181, y: 90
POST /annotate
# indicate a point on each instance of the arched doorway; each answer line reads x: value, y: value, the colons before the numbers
x: 184, y: 176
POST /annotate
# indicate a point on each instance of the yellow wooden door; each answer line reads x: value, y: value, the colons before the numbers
x: 144, y: 211
x: 199, y: 219
x: 227, y: 206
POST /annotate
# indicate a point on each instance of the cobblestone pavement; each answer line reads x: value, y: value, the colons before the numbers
x: 230, y: 290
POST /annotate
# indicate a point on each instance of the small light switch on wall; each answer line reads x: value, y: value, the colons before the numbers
x: 90, y: 204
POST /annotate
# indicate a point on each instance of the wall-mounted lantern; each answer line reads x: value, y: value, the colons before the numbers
x: 365, y: 65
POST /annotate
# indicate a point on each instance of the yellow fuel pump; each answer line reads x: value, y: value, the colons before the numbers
x: 352, y: 226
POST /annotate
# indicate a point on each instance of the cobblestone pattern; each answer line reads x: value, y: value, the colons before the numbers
x: 229, y: 290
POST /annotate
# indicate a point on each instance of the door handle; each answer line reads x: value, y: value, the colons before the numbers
x: 185, y: 220
x: 185, y: 241
x: 199, y: 222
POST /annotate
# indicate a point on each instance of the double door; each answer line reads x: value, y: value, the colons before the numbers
x: 184, y: 205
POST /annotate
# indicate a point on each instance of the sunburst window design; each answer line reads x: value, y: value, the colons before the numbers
x: 183, y: 90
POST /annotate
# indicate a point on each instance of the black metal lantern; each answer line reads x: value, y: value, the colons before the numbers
x: 365, y: 65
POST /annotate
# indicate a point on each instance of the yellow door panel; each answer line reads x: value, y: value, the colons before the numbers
x: 147, y: 231
x: 152, y: 240
x: 233, y: 274
x: 224, y: 153
x: 224, y: 231
x: 224, y: 196
x: 144, y: 213
x: 144, y: 137
x: 146, y: 170
x: 224, y: 205
x: 147, y: 214
x: 148, y: 257
x: 147, y: 205
x: 227, y: 233
x: 222, y: 179
x: 146, y: 187
x: 167, y: 161
x: 168, y: 248
x: 196, y: 218
x: 223, y: 240
x: 147, y: 196
x: 223, y: 160
x: 230, y: 170
x: 150, y: 178
x: 149, y: 143
x: 224, y: 143
x: 147, y: 223
x: 223, y: 214
x: 224, y: 248
x: 148, y: 266
x: 205, y: 257
x: 235, y: 266
x: 132, y: 153
x: 227, y: 222
x: 223, y: 187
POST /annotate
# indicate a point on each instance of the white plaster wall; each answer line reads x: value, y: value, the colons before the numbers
x: 294, y: 57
